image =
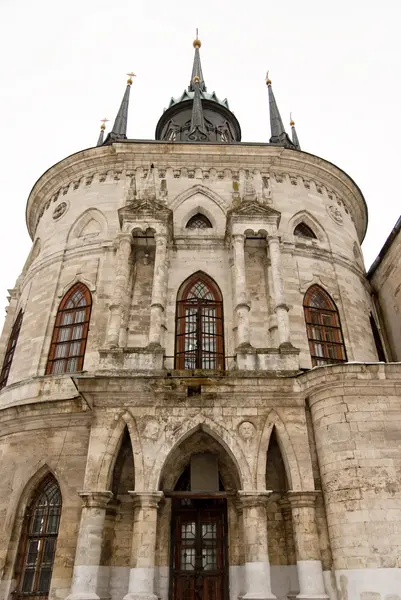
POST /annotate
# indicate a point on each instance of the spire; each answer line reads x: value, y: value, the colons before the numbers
x: 101, y: 134
x: 197, y: 68
x: 294, y: 136
x: 198, y: 131
x: 278, y: 134
x: 119, y: 131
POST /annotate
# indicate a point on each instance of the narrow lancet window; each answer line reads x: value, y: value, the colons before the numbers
x: 38, y: 542
x: 12, y: 343
x: 199, y: 221
x: 68, y: 344
x: 323, y: 326
x: 199, y: 331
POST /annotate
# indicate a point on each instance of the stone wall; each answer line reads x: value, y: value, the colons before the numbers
x: 385, y: 279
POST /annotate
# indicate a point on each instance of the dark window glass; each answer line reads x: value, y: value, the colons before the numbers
x: 38, y: 542
x: 68, y: 343
x: 199, y: 222
x: 199, y: 338
x: 302, y: 230
x: 323, y: 326
x: 12, y: 343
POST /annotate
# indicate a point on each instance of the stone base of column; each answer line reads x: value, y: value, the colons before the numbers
x: 312, y: 597
x: 259, y: 596
x: 87, y: 596
x: 140, y: 596
x: 311, y: 584
x: 257, y: 582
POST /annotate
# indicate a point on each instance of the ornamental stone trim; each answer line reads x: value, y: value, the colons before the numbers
x: 146, y: 499
x: 96, y: 499
x: 104, y: 163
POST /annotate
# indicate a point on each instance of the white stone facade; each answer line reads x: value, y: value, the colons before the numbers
x: 309, y: 459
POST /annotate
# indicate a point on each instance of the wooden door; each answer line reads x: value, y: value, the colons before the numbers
x: 199, y: 566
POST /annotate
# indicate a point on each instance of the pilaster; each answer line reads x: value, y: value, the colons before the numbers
x: 120, y: 289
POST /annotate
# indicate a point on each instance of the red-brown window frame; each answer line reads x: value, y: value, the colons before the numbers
x: 52, y: 359
x: 28, y: 535
x: 182, y: 304
x: 11, y: 346
x: 331, y: 335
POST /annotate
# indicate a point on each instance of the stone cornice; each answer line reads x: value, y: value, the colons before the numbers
x: 120, y: 161
x: 38, y: 415
x: 36, y: 409
x: 350, y: 375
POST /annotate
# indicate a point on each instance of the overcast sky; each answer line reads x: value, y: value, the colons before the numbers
x: 335, y: 65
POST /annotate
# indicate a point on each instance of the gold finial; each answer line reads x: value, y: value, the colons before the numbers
x: 103, y: 124
x: 130, y: 76
x: 197, y: 42
x: 292, y: 122
x: 268, y: 81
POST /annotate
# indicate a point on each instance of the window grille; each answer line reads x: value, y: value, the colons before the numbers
x: 302, y: 230
x: 199, y: 222
x: 38, y: 542
x: 199, y: 326
x: 68, y: 343
x: 12, y: 343
x: 323, y: 326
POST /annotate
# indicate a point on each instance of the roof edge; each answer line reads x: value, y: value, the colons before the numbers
x: 386, y: 246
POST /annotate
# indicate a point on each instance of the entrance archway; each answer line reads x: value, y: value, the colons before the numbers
x: 199, y: 520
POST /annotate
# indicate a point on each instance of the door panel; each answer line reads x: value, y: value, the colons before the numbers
x: 199, y: 550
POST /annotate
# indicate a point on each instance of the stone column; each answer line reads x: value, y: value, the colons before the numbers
x: 280, y: 307
x: 272, y: 322
x: 120, y: 289
x: 87, y: 576
x: 241, y: 306
x: 257, y: 566
x: 159, y: 290
x: 289, y: 542
x: 143, y: 551
x: 309, y: 564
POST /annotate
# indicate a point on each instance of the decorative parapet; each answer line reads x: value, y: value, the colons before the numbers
x: 124, y: 161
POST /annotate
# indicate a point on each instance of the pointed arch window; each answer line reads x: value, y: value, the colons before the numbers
x: 303, y: 230
x: 38, y: 542
x: 70, y: 332
x: 326, y: 342
x: 199, y: 221
x: 199, y: 327
x: 12, y: 344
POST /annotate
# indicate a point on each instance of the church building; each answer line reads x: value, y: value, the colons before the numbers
x: 197, y: 399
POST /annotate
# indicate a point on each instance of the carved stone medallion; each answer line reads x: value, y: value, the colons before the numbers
x: 335, y: 214
x: 152, y: 430
x: 60, y: 210
x: 246, y: 430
